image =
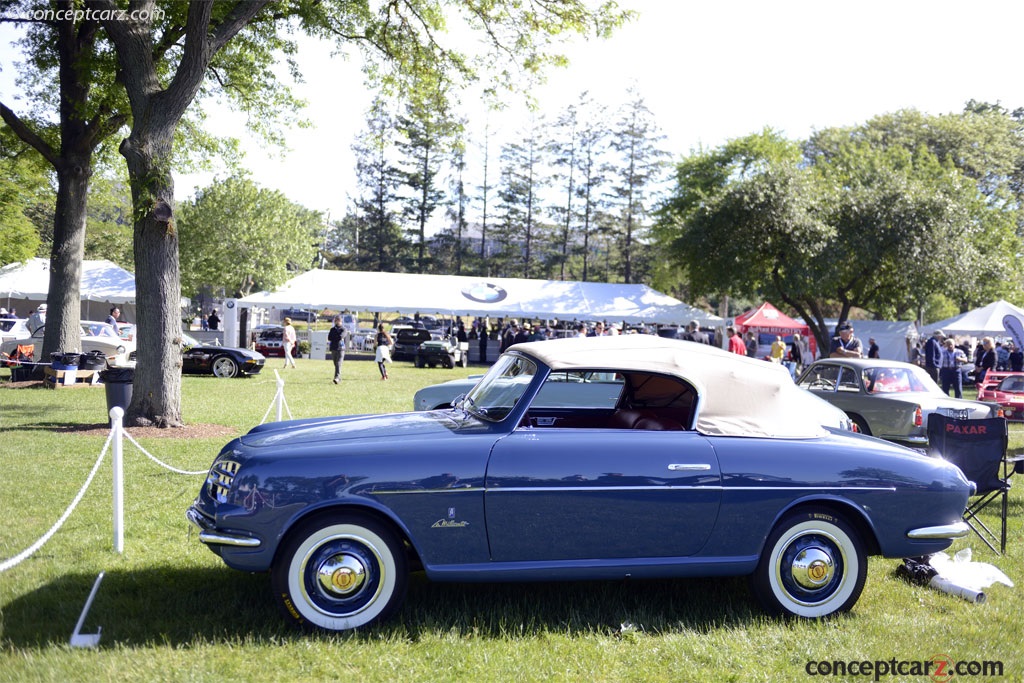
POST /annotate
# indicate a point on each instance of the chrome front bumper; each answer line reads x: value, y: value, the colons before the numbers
x: 209, y: 536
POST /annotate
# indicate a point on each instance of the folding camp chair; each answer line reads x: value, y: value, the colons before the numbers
x: 978, y: 448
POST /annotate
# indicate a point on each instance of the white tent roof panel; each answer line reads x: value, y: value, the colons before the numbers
x: 461, y: 295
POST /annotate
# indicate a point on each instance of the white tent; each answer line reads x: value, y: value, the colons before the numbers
x: 891, y: 337
x: 25, y: 285
x: 476, y: 296
x: 985, y: 321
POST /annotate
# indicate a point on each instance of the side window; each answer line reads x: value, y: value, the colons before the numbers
x: 848, y: 381
x: 578, y: 389
x: 823, y: 377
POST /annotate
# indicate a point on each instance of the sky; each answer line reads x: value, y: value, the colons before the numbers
x: 708, y: 71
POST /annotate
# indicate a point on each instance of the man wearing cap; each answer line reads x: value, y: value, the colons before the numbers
x: 694, y: 334
x: 845, y: 345
x: 933, y: 354
x: 37, y: 319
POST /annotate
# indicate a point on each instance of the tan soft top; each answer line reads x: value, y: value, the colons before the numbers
x: 739, y: 396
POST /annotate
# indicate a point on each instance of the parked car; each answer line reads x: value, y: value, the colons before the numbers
x: 270, y: 341
x: 887, y: 399
x: 443, y: 395
x: 1006, y: 389
x: 685, y: 461
x: 221, y: 361
x: 13, y: 328
x: 407, y: 341
x: 302, y: 314
x: 95, y: 336
x: 446, y: 352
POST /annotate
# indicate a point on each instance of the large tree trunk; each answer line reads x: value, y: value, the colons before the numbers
x: 63, y: 315
x: 158, y: 282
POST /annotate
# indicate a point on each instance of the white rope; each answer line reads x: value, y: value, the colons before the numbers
x: 157, y: 460
x: 28, y: 552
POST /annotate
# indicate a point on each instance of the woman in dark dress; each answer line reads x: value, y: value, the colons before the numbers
x: 988, y: 359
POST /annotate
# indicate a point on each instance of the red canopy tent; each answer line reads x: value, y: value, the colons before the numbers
x: 770, y: 321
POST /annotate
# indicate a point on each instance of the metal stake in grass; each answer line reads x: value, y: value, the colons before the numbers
x: 79, y: 639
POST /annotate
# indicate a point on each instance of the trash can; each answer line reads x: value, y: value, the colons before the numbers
x: 65, y: 361
x: 68, y: 362
x: 93, y: 360
x: 118, y: 383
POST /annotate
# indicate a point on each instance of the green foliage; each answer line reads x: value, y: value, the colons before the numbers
x: 23, y: 184
x: 236, y: 235
x: 379, y: 243
x: 881, y: 217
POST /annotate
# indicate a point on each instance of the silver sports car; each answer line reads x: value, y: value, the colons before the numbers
x: 887, y: 398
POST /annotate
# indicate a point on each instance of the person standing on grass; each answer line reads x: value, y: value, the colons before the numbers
x: 289, y: 338
x: 383, y: 352
x: 336, y: 343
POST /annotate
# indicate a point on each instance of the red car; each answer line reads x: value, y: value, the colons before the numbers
x: 1006, y: 389
x: 270, y: 342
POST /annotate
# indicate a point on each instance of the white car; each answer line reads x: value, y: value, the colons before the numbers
x: 13, y: 328
x: 95, y: 336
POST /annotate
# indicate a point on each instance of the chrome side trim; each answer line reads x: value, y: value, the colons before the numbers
x: 696, y: 467
x: 715, y: 487
x: 954, y: 530
x: 215, y: 538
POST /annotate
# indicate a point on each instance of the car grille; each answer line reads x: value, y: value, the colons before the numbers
x: 132, y: 356
x: 221, y: 476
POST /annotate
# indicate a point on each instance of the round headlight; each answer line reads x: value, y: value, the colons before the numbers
x: 120, y: 350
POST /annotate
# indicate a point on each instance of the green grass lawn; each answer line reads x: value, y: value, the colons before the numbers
x: 171, y: 611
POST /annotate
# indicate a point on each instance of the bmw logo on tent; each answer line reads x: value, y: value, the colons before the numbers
x: 484, y: 292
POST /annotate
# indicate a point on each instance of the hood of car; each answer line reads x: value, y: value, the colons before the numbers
x: 367, y: 427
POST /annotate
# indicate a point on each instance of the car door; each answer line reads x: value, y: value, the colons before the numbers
x: 577, y: 494
x: 195, y: 360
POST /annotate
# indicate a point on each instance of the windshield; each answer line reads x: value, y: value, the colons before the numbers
x: 893, y: 380
x: 189, y: 341
x: 1012, y: 384
x: 98, y: 330
x: 494, y: 396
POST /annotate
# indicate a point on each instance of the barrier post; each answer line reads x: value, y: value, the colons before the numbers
x: 116, y: 417
x: 279, y: 397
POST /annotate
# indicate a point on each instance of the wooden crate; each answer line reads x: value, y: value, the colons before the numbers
x: 59, y: 379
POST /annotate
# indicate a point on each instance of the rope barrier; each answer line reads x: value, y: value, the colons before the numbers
x: 158, y: 461
x: 28, y: 552
x: 116, y: 429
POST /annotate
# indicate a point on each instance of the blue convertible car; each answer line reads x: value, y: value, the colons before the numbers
x: 600, y: 458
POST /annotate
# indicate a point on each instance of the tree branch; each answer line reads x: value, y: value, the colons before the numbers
x: 29, y: 136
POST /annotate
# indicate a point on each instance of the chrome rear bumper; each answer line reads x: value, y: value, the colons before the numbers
x: 955, y: 530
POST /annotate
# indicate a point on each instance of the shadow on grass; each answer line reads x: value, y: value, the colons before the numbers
x: 210, y: 605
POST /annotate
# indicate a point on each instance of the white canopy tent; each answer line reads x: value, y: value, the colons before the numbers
x: 894, y: 338
x: 988, y: 320
x: 476, y: 296
x: 24, y: 286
